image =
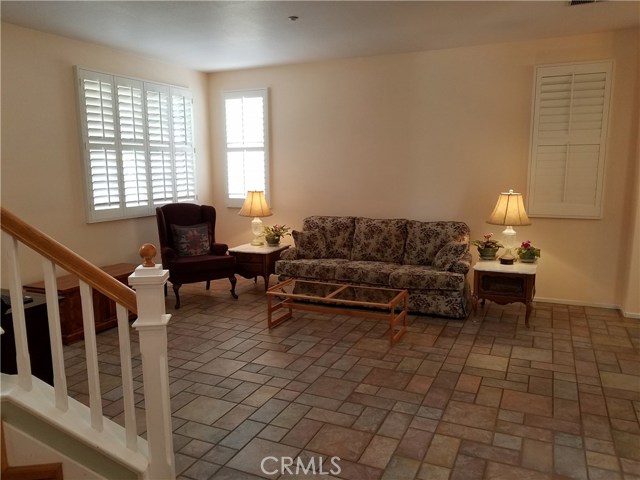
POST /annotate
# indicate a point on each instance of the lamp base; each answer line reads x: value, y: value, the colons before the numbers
x: 257, y: 230
x: 507, y: 258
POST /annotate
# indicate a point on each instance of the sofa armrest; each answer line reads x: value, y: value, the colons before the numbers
x: 289, y: 254
x: 463, y: 265
x: 219, y: 248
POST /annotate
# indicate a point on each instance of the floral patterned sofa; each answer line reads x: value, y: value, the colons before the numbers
x: 429, y: 259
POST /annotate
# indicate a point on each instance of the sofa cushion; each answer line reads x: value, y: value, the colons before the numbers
x: 419, y: 277
x: 310, y: 244
x: 319, y: 269
x: 191, y: 240
x: 369, y: 273
x: 425, y: 239
x: 448, y: 255
x: 337, y: 230
x: 379, y: 240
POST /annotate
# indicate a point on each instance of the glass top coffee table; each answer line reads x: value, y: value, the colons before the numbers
x: 354, y: 300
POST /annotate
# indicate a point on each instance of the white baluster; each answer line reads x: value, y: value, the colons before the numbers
x: 91, y: 352
x: 127, y: 377
x: 55, y: 336
x: 23, y: 361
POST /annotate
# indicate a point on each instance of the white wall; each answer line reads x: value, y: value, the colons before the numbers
x: 437, y: 135
x: 41, y: 155
x: 428, y: 135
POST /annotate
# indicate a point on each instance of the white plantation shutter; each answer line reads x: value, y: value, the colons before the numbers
x: 246, y: 142
x: 138, y: 144
x: 568, y: 145
x: 184, y: 166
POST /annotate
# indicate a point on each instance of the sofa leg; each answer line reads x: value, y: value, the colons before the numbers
x: 175, y: 290
x: 233, y: 281
x: 208, y: 284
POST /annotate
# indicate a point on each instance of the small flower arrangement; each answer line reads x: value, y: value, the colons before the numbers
x: 276, y: 231
x: 487, y: 243
x: 527, y: 252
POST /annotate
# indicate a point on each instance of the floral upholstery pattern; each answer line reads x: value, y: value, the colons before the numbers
x: 365, y: 273
x: 425, y: 239
x: 324, y: 269
x: 448, y: 255
x: 191, y: 240
x: 310, y: 244
x: 394, y: 253
x: 452, y: 304
x: 338, y: 231
x: 379, y: 240
x: 421, y: 277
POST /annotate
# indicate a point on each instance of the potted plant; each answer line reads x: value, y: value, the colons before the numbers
x: 487, y: 248
x: 527, y: 253
x: 273, y: 234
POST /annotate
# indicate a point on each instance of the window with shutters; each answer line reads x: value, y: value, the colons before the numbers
x: 568, y: 141
x: 138, y: 145
x: 246, y: 143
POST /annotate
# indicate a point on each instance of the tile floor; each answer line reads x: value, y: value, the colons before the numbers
x: 484, y: 398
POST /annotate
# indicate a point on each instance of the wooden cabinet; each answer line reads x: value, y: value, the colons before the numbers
x: 504, y: 284
x: 256, y: 261
x: 71, y: 304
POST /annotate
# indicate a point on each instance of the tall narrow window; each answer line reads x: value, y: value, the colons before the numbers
x: 568, y: 142
x: 138, y: 145
x: 246, y: 143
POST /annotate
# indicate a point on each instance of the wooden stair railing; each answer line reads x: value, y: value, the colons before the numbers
x: 71, y: 261
x: 152, y: 458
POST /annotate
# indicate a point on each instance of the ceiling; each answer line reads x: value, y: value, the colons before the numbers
x: 215, y: 35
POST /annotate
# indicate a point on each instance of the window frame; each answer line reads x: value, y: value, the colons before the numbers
x: 536, y: 207
x: 143, y: 203
x: 237, y: 202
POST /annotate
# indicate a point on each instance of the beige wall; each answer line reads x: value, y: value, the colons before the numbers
x: 41, y: 155
x: 437, y: 135
x: 428, y: 135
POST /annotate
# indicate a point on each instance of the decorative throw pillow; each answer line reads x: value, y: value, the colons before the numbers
x: 191, y: 240
x: 448, y: 255
x: 310, y: 244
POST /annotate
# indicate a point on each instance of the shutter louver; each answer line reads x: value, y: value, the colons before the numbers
x: 568, y: 140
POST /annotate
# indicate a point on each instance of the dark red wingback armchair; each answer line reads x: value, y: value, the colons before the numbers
x: 188, y: 246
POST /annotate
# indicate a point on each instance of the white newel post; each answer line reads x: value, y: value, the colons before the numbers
x: 152, y: 328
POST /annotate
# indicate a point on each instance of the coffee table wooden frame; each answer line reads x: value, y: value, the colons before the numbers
x: 330, y: 304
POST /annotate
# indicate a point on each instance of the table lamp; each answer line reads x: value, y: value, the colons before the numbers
x: 509, y: 211
x: 255, y: 205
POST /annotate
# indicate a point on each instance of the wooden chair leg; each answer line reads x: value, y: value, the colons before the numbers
x: 175, y: 290
x: 233, y: 281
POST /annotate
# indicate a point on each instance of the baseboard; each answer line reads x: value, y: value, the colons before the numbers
x: 585, y: 304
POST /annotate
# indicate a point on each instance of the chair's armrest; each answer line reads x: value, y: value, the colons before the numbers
x: 168, y: 253
x: 463, y: 265
x: 219, y: 248
x: 289, y: 254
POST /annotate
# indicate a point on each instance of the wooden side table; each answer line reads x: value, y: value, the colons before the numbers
x: 71, y: 305
x: 504, y: 284
x: 256, y: 261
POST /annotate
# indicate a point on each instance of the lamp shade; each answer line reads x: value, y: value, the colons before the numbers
x: 255, y: 205
x: 509, y: 210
